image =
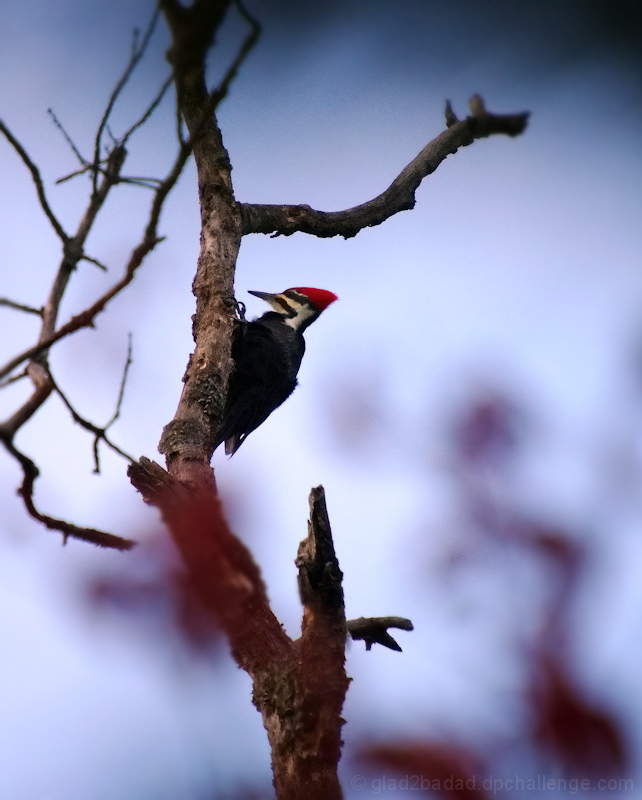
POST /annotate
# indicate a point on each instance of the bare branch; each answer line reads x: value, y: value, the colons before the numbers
x: 20, y: 307
x: 31, y: 472
x: 86, y: 318
x: 187, y: 440
x: 99, y: 433
x: 322, y: 680
x: 14, y: 378
x: 69, y: 141
x: 94, y: 261
x: 222, y: 568
x: 221, y: 92
x: 35, y: 174
x: 73, y: 250
x: 123, y: 381
x: 299, y: 687
x: 137, y: 53
x: 74, y: 174
x: 319, y: 574
x: 150, y: 110
x: 374, y: 630
x: 399, y: 196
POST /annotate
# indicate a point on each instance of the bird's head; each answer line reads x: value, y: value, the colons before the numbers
x: 299, y: 306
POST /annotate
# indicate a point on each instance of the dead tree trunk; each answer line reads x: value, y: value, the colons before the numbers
x: 299, y: 687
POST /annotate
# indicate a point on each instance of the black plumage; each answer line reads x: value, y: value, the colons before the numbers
x: 267, y: 354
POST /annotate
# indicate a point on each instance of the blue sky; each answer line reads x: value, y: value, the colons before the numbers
x: 518, y: 272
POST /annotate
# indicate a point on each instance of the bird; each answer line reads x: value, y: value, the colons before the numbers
x: 267, y: 354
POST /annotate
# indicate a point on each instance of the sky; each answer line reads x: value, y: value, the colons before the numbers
x: 516, y: 275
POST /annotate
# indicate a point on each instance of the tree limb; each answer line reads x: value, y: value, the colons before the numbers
x: 299, y: 687
x: 374, y: 630
x: 187, y: 441
x: 4, y: 301
x: 221, y: 567
x: 150, y: 239
x: 137, y: 54
x: 322, y: 680
x: 35, y: 174
x: 37, y: 368
x: 99, y: 433
x: 30, y: 473
x: 399, y: 196
x: 69, y: 141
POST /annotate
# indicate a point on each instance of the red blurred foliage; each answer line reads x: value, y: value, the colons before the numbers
x: 583, y: 740
x: 451, y: 771
x: 487, y: 432
x: 564, y: 728
x: 154, y: 589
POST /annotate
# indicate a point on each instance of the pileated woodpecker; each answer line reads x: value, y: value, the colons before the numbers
x: 267, y: 354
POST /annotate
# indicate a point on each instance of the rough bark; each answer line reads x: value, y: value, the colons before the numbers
x: 299, y: 687
x: 187, y: 441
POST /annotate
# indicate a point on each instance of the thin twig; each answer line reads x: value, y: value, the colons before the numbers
x: 146, y: 183
x: 14, y: 378
x: 123, y: 381
x: 150, y: 239
x: 35, y: 174
x: 74, y: 174
x: 4, y: 301
x: 94, y: 261
x: 73, y: 250
x: 153, y: 106
x: 99, y: 433
x: 137, y: 53
x: 68, y: 139
x: 114, y: 140
x: 246, y: 48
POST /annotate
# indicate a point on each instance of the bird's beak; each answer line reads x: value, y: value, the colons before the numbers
x: 269, y: 298
x: 275, y: 300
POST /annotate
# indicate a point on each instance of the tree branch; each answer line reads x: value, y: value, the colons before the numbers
x: 322, y: 680
x: 31, y: 472
x: 246, y: 48
x: 69, y: 141
x: 137, y: 54
x: 221, y: 567
x: 35, y: 174
x: 299, y: 687
x: 99, y: 433
x: 399, y: 196
x: 150, y: 239
x: 149, y: 110
x: 187, y: 441
x: 374, y: 630
x: 4, y: 301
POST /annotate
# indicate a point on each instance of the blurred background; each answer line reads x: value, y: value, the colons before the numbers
x: 472, y: 405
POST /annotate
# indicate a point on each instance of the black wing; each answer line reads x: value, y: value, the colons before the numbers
x: 266, y: 361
